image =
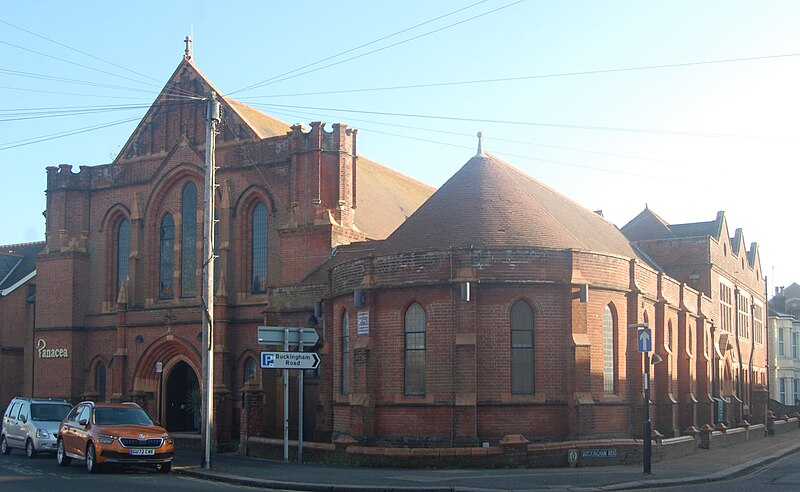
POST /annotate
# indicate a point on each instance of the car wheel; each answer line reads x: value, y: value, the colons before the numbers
x: 61, y: 455
x: 30, y: 451
x: 91, y: 459
x: 4, y: 445
x: 165, y: 467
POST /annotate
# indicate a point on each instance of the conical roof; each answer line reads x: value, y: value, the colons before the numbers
x: 489, y: 203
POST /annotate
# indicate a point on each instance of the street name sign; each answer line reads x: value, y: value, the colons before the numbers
x: 277, y: 335
x: 645, y: 340
x: 289, y: 360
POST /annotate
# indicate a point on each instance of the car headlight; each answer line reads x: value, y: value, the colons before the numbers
x: 42, y: 434
x: 168, y: 440
x: 105, y: 438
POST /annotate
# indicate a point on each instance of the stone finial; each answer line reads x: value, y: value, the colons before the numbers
x: 187, y: 53
x: 480, y: 144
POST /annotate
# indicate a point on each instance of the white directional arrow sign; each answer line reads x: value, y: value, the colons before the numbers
x: 289, y: 360
x: 645, y: 340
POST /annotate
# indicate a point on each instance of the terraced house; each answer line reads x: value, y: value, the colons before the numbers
x: 491, y: 306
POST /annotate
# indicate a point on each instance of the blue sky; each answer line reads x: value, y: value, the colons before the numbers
x: 687, y: 139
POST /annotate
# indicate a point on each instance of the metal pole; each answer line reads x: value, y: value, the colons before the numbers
x: 648, y: 426
x: 300, y: 408
x: 160, y: 389
x: 212, y: 118
x: 286, y: 400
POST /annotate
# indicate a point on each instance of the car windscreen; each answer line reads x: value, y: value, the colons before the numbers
x: 47, y: 412
x: 121, y: 416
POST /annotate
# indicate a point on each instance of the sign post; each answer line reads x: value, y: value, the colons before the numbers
x: 275, y: 335
x: 645, y: 339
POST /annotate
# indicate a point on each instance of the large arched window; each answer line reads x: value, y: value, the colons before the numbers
x: 522, y: 368
x: 609, y: 342
x: 259, y: 248
x: 100, y: 381
x: 167, y: 258
x: 189, y: 240
x: 414, y: 329
x: 123, y: 253
x: 345, y: 353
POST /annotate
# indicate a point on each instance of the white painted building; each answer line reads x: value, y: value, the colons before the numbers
x: 784, y: 331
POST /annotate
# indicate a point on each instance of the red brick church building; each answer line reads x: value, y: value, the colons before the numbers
x: 491, y: 306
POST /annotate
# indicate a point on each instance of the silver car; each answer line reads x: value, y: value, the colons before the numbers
x: 32, y: 424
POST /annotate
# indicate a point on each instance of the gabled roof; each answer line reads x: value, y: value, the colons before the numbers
x: 188, y: 83
x: 793, y: 291
x: 489, y: 203
x: 17, y: 262
x: 648, y: 226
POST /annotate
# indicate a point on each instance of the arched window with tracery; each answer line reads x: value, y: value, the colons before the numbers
x: 189, y: 241
x: 522, y: 355
x: 167, y: 258
x: 259, y: 249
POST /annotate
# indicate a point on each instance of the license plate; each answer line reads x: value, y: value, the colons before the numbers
x: 143, y: 452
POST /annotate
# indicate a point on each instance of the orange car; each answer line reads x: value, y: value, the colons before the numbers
x: 101, y: 433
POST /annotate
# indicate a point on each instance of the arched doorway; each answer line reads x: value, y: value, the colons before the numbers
x: 181, y: 392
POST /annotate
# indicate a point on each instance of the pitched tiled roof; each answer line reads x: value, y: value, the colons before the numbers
x: 695, y: 229
x: 648, y: 226
x: 385, y: 198
x: 17, y: 261
x: 489, y: 203
x: 263, y: 124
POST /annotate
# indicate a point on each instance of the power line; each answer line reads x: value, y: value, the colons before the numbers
x: 547, y: 125
x: 496, y: 139
x: 548, y: 161
x: 79, y: 51
x: 53, y: 136
x: 281, y: 78
x: 73, y: 63
x: 33, y: 75
x: 532, y: 77
x: 259, y: 84
x: 42, y: 113
x: 89, y: 68
x: 61, y: 93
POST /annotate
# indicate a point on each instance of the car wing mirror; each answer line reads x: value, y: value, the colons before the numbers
x: 23, y: 418
x: 84, y: 422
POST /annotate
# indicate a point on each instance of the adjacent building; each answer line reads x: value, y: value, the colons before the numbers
x: 784, y: 331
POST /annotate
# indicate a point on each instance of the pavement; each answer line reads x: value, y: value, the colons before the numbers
x: 701, y: 467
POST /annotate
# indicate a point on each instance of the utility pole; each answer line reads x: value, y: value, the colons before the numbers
x: 212, y: 119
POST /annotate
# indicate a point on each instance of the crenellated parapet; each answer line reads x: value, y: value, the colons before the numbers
x: 62, y: 177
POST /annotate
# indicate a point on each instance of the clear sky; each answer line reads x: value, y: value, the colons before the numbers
x: 688, y: 107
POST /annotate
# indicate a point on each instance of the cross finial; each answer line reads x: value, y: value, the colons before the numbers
x: 187, y: 54
x: 480, y: 143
